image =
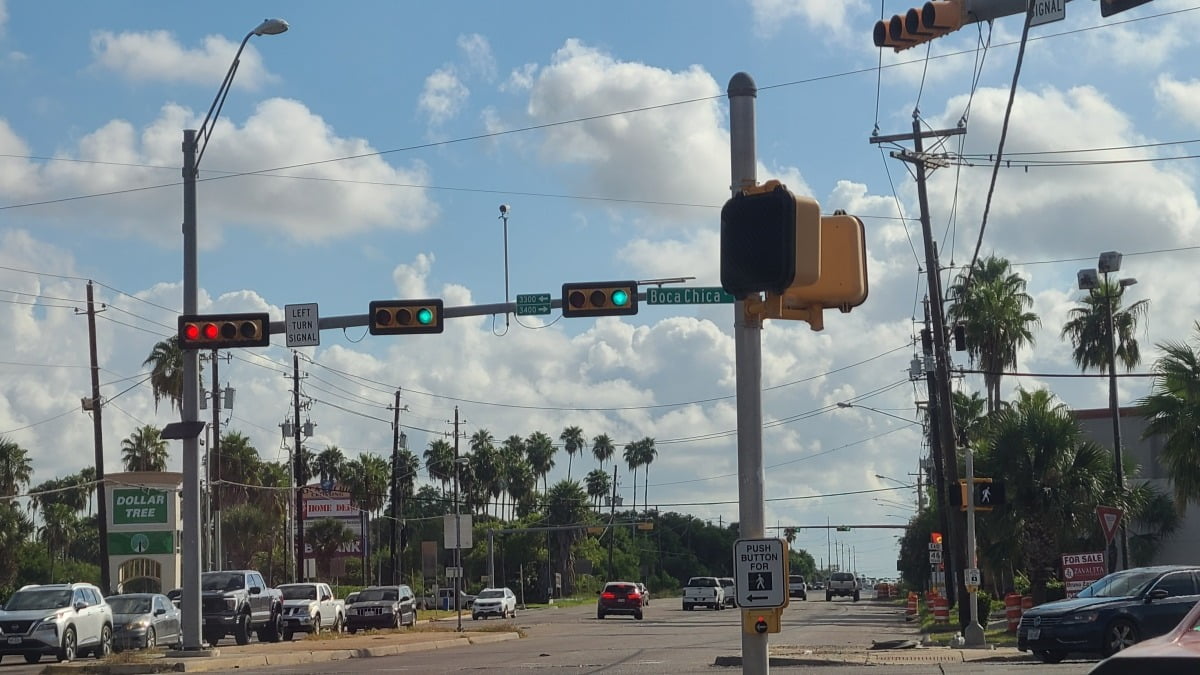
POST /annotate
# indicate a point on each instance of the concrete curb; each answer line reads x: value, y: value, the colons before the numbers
x: 906, y: 657
x: 202, y: 664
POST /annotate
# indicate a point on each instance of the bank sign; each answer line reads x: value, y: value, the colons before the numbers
x: 139, y: 506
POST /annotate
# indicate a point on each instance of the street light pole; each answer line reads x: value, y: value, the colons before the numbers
x: 1115, y: 411
x: 194, y: 144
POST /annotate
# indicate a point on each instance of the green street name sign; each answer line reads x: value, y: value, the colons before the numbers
x: 141, y: 543
x: 533, y: 304
x: 137, y: 506
x: 699, y: 295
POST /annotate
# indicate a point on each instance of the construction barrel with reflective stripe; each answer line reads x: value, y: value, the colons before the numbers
x: 941, y: 610
x: 910, y: 611
x: 1012, y: 611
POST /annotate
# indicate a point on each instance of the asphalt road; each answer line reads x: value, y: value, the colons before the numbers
x: 669, y: 640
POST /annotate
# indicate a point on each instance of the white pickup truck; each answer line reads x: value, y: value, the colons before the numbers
x: 706, y: 591
x: 311, y: 608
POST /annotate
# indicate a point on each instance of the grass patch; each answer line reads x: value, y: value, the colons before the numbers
x: 1000, y: 637
x: 132, y: 656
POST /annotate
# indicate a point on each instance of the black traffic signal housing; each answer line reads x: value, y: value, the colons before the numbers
x: 405, y: 317
x: 1110, y: 7
x: 960, y: 337
x: 770, y: 240
x: 918, y: 26
x: 986, y: 492
x: 224, y: 331
x: 599, y: 298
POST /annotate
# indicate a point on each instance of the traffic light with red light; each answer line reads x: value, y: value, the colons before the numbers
x: 405, y: 317
x: 224, y: 331
x: 770, y: 240
x: 599, y: 298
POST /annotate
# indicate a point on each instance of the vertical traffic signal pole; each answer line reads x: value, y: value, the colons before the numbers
x: 189, y: 549
x: 747, y: 339
x: 973, y: 633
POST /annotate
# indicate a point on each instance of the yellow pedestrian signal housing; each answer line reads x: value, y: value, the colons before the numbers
x: 920, y: 25
x: 224, y: 331
x: 986, y: 492
x: 843, y: 279
x: 599, y: 298
x: 405, y: 317
x: 759, y: 621
x: 770, y: 239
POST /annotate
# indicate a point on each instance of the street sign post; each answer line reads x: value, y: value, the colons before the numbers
x: 300, y: 324
x: 681, y: 295
x: 760, y: 572
x: 532, y: 304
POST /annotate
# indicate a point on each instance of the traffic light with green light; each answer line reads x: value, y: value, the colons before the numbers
x: 599, y: 298
x: 405, y: 317
x: 224, y: 331
x: 770, y: 240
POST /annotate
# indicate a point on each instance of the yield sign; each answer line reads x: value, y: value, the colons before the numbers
x: 1110, y: 518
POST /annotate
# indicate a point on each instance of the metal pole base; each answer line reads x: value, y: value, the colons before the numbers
x: 973, y: 636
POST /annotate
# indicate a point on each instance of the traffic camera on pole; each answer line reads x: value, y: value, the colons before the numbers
x: 770, y: 240
x: 599, y: 298
x: 224, y: 331
x: 405, y: 317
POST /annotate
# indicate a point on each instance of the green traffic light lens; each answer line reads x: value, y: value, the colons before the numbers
x: 424, y: 316
x: 620, y: 298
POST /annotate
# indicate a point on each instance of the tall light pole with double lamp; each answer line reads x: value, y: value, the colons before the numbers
x: 1089, y: 280
x: 194, y: 143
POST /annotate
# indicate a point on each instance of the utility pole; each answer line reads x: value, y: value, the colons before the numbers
x: 612, y: 518
x: 98, y: 439
x: 935, y: 449
x: 944, y: 409
x: 298, y: 466
x: 747, y: 339
x: 395, y: 523
x: 457, y: 530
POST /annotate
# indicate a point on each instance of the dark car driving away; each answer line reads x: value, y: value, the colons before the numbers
x: 619, y: 597
x: 1113, y: 613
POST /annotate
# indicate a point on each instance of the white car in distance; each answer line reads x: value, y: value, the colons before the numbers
x: 501, y: 602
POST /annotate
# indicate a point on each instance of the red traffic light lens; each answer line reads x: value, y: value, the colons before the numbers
x: 210, y: 331
x: 383, y: 317
x: 191, y: 331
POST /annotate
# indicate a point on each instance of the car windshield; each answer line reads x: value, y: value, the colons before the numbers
x: 129, y: 605
x: 376, y: 594
x: 221, y: 581
x: 485, y: 594
x: 1120, y: 584
x: 795, y: 579
x: 726, y: 581
x: 299, y: 592
x: 38, y: 599
x: 702, y: 581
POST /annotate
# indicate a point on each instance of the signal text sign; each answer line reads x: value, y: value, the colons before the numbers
x: 300, y: 325
x: 760, y: 572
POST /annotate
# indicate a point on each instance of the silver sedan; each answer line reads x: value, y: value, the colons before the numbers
x: 144, y: 621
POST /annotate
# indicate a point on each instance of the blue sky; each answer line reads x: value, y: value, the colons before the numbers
x: 459, y: 107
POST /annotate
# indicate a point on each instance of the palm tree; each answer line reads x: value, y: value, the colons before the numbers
x: 1088, y: 328
x: 239, y: 465
x: 1058, y: 479
x: 994, y: 312
x: 15, y: 530
x: 241, y: 528
x: 1173, y: 411
x: 566, y: 504
x: 439, y: 460
x: 598, y: 484
x: 276, y: 479
x: 166, y: 372
x: 328, y: 464
x: 647, y: 453
x: 633, y: 459
x: 485, y: 471
x: 327, y: 535
x: 603, y: 448
x: 58, y: 531
x: 522, y: 483
x: 512, y: 454
x: 539, y: 449
x: 145, y: 450
x: 407, y: 466
x: 15, y: 468
x: 573, y: 441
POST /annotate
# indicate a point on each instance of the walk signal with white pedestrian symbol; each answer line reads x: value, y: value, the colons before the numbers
x: 986, y: 492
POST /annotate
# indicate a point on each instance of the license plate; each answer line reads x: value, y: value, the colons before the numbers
x: 620, y: 601
x: 1035, y: 633
x: 14, y: 640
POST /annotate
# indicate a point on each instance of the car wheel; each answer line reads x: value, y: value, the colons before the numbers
x: 856, y: 596
x: 103, y: 649
x: 829, y: 597
x: 352, y: 631
x: 474, y: 617
x: 316, y: 627
x: 287, y: 635
x: 337, y: 625
x: 1051, y: 656
x: 687, y: 607
x: 32, y: 658
x: 241, y: 632
x: 599, y: 614
x: 638, y: 616
x: 1119, y: 635
x: 66, y: 652
x: 151, y: 638
x: 397, y: 620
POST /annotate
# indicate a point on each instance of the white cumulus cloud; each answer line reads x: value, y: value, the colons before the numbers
x: 156, y: 56
x: 443, y: 96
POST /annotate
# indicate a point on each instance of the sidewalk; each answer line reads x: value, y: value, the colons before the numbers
x: 288, y: 653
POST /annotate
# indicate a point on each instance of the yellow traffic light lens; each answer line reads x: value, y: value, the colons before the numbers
x: 424, y: 316
x: 620, y: 298
x: 403, y: 316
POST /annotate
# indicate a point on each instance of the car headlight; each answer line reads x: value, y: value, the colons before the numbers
x: 1081, y: 617
x: 138, y: 625
x: 49, y: 623
x: 230, y: 603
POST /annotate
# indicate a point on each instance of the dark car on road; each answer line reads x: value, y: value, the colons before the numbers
x: 1113, y: 613
x: 382, y: 607
x: 619, y: 597
x: 145, y: 621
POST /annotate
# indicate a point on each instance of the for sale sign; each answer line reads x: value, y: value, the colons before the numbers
x: 1081, y: 569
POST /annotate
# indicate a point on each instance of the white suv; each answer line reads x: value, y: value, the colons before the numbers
x: 499, y: 602
x: 63, y: 620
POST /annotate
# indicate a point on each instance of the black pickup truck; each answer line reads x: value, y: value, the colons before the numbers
x: 236, y: 602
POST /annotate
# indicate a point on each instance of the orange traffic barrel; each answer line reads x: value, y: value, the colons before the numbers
x: 941, y: 610
x: 1026, y: 603
x: 910, y: 611
x: 1012, y: 611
